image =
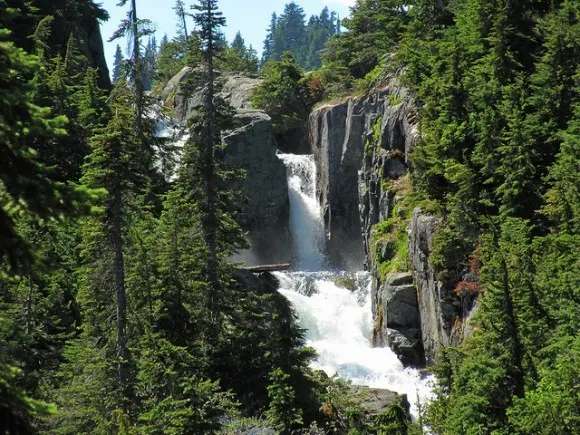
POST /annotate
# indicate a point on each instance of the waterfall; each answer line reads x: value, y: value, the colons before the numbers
x: 337, y: 320
x: 306, y: 223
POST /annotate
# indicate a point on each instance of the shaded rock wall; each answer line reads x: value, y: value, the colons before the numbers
x: 88, y: 33
x: 265, y: 205
x: 340, y: 137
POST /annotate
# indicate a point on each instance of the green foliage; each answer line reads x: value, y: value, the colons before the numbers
x: 389, y: 239
x: 118, y: 65
x: 374, y: 28
x: 283, y: 93
x: 306, y: 41
x: 282, y: 413
x: 27, y: 188
x: 17, y: 409
x: 238, y: 58
x: 394, y: 420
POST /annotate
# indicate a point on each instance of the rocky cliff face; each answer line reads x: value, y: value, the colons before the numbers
x: 372, y: 134
x: 266, y: 207
x: 361, y: 147
x: 252, y: 147
x: 444, y: 316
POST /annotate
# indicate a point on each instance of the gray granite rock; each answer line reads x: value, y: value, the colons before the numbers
x: 343, y: 143
x: 374, y: 401
x: 252, y: 147
x: 265, y: 208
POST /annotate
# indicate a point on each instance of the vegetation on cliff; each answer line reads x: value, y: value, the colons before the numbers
x: 496, y: 84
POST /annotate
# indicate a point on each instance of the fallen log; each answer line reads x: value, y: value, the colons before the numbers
x: 267, y: 268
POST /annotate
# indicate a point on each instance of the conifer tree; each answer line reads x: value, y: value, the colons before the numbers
x: 267, y: 51
x: 207, y: 137
x: 116, y: 165
x: 179, y: 9
x: 150, y: 64
x: 27, y: 188
x: 135, y: 28
x: 29, y: 194
x: 118, y: 65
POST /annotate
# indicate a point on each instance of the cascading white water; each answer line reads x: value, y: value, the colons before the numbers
x: 306, y: 223
x: 338, y: 321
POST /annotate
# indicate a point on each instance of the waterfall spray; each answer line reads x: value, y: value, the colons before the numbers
x: 306, y: 223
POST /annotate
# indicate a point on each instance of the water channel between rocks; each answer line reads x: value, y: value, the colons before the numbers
x: 337, y: 320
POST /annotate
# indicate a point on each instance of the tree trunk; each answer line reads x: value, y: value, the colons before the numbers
x: 119, y: 270
x: 512, y: 327
x: 137, y: 71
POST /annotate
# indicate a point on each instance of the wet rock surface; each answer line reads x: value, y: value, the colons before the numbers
x: 397, y: 318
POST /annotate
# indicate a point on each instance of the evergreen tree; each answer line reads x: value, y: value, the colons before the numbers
x: 170, y: 59
x: 179, y: 9
x: 207, y: 136
x: 374, y: 29
x: 118, y: 165
x: 150, y: 64
x: 118, y: 65
x: 237, y: 57
x: 135, y: 29
x: 267, y: 51
x: 282, y: 413
x: 28, y: 188
x: 283, y: 93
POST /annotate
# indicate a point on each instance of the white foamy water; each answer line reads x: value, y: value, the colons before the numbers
x: 337, y: 321
x: 338, y: 324
x: 306, y: 223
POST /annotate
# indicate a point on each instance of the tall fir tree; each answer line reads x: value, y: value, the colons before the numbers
x: 207, y: 137
x: 118, y: 65
x: 267, y: 51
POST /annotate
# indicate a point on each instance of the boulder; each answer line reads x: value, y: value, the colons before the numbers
x: 407, y: 344
x: 396, y: 311
x: 235, y: 89
x: 375, y: 401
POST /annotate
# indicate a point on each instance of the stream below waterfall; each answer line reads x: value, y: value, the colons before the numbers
x: 337, y: 320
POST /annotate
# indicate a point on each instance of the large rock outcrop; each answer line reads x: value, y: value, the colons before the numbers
x: 251, y: 146
x: 343, y: 137
x: 266, y: 207
x: 236, y: 89
x: 444, y: 316
x: 397, y: 324
x: 373, y: 402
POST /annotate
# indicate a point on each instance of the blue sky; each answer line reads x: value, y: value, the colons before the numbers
x: 251, y: 17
